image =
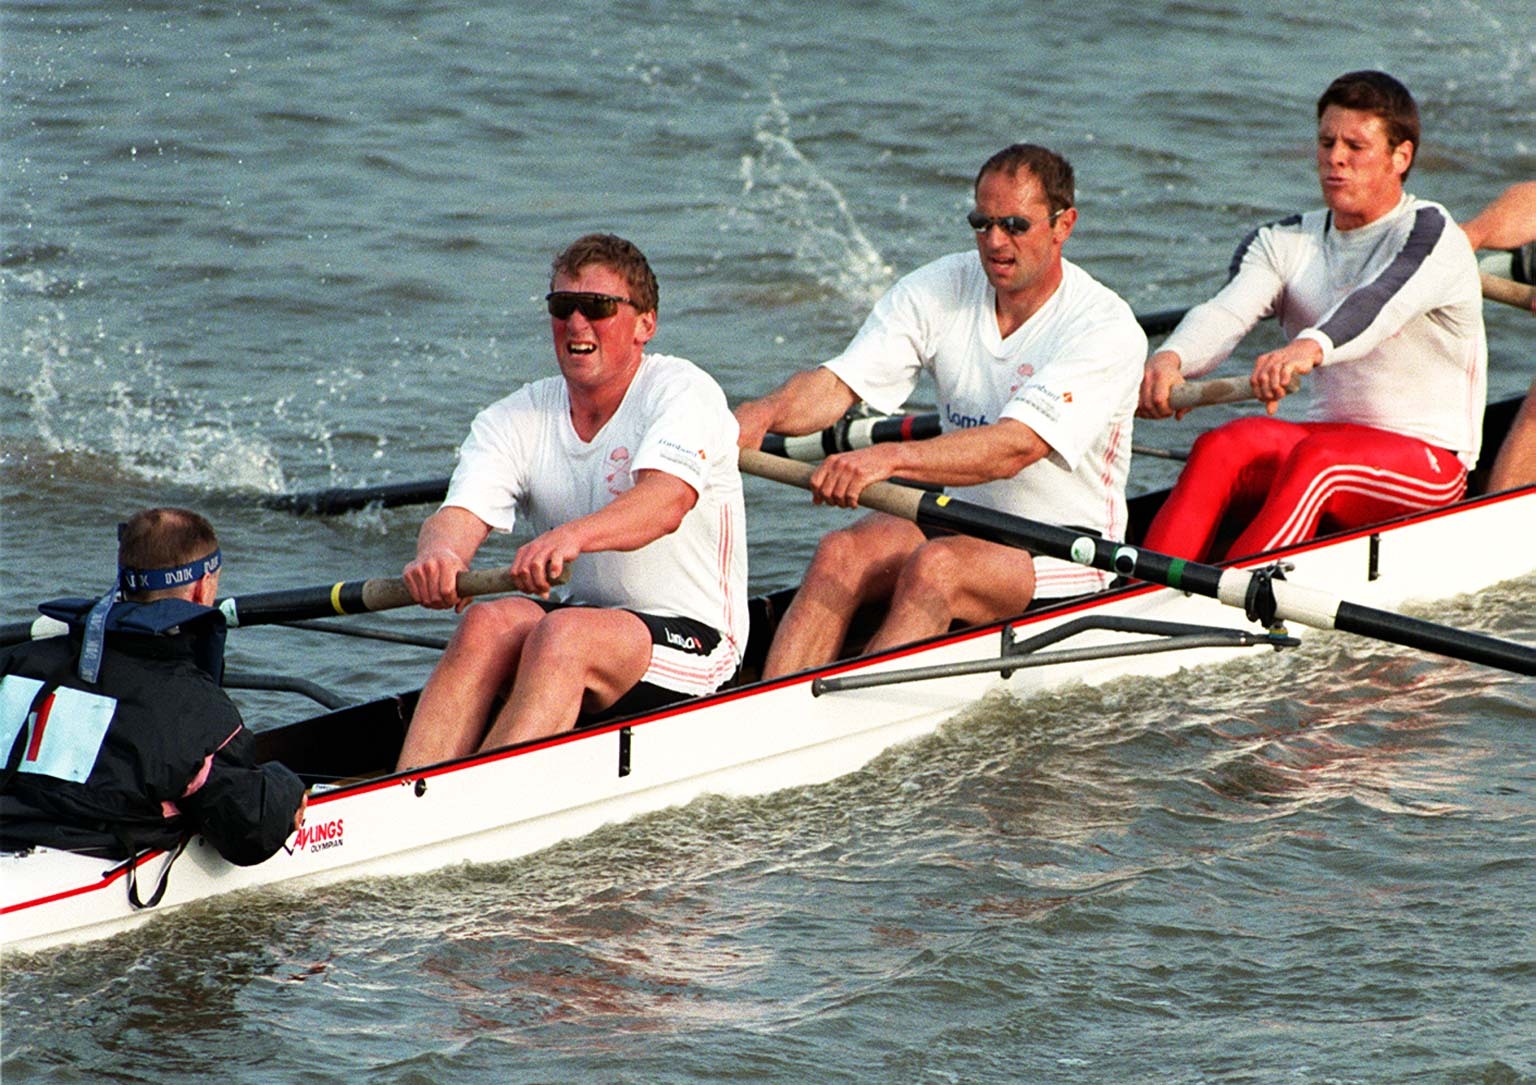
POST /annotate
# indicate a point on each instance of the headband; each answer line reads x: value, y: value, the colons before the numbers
x: 135, y: 580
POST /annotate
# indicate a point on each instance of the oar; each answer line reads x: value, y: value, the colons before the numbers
x: 349, y: 597
x: 352, y: 498
x: 1520, y: 295
x: 1262, y: 596
x: 296, y: 604
x: 1161, y: 322
x: 851, y: 433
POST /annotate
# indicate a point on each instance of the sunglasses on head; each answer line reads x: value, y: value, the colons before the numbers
x: 1013, y: 225
x: 562, y: 303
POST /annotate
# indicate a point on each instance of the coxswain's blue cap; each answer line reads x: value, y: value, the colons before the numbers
x: 135, y: 580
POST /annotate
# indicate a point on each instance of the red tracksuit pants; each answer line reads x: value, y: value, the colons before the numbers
x: 1291, y: 477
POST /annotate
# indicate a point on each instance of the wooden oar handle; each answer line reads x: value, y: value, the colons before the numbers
x: 1218, y: 390
x: 888, y: 497
x: 1520, y: 295
x: 389, y: 592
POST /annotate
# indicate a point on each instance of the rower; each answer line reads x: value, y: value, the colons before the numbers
x: 1379, y: 297
x: 1036, y: 365
x: 627, y: 459
x: 118, y: 735
x: 1509, y: 222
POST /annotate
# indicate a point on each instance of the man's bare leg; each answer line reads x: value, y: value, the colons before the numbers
x: 580, y: 657
x: 852, y: 566
x: 476, y: 667
x: 955, y: 577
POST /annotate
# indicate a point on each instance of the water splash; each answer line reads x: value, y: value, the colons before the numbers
x: 783, y: 188
x: 85, y: 397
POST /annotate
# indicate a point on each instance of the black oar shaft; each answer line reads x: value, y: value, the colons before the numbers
x: 352, y: 498
x: 1417, y: 633
x: 1161, y: 322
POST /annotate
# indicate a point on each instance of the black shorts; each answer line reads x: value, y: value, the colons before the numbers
x: 677, y: 636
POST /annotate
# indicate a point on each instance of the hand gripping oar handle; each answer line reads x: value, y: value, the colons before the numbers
x: 349, y: 597
x: 1264, y: 597
x: 1207, y: 393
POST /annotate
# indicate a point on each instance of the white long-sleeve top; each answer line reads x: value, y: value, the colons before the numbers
x: 1396, y: 306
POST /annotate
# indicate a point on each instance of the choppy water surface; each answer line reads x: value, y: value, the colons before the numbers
x: 250, y: 249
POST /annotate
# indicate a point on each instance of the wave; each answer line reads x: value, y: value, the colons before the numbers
x: 784, y: 192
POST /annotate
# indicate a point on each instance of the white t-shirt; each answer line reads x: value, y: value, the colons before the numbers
x: 1396, y: 306
x: 523, y: 453
x: 1071, y: 372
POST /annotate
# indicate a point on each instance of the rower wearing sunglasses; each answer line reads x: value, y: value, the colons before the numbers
x: 626, y: 459
x: 1036, y: 367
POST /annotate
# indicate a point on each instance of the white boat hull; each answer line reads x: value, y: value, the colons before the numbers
x: 757, y: 739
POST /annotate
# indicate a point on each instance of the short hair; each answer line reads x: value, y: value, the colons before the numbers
x: 613, y: 252
x: 1379, y: 94
x: 163, y: 538
x: 1046, y: 166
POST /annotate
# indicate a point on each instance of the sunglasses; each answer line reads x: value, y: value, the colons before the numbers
x: 562, y: 303
x: 1013, y: 225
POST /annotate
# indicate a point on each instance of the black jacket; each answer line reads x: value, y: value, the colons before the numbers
x: 175, y: 757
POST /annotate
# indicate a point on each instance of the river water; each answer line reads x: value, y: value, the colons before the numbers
x: 253, y: 248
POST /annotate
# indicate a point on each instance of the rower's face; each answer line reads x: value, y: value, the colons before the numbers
x: 1360, y: 173
x: 592, y: 353
x: 1016, y: 262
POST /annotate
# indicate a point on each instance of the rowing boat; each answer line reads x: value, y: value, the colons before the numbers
x: 752, y: 738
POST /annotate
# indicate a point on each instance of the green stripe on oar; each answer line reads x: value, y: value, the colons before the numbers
x: 1254, y: 592
x: 348, y: 597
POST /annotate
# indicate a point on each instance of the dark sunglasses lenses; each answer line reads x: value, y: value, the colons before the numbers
x: 1012, y: 224
x: 562, y: 303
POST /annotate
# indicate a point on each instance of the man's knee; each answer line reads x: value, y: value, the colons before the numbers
x: 1226, y: 441
x: 488, y: 624
x: 838, y: 558
x: 933, y: 567
x: 588, y: 636
x: 1313, y: 455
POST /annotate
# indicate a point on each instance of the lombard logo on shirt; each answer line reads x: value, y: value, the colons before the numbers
x: 616, y: 472
x: 694, y: 459
x: 960, y: 420
x: 1047, y: 402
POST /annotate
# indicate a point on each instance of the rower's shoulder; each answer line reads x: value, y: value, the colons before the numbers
x: 1090, y: 302
x: 667, y: 374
